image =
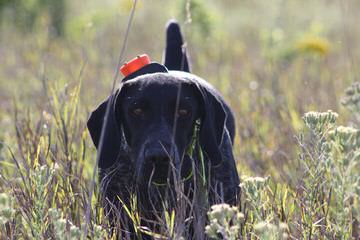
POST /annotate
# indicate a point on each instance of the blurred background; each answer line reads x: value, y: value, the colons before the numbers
x: 272, y: 60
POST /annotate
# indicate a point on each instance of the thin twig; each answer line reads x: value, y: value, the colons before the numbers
x: 116, y: 75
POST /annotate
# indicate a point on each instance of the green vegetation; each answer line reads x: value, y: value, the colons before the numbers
x: 280, y: 64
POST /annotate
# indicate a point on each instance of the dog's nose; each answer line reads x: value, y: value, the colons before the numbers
x: 156, y: 155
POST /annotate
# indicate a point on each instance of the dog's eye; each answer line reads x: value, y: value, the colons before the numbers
x: 183, y: 113
x: 137, y: 112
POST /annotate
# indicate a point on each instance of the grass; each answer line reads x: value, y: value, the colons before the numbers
x: 276, y: 62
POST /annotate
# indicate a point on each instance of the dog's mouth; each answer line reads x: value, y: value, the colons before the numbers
x: 158, y: 172
x: 162, y: 173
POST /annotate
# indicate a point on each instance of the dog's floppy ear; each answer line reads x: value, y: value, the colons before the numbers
x: 212, y: 126
x: 112, y: 139
x: 175, y: 56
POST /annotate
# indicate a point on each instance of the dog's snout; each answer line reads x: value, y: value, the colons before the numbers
x: 156, y: 155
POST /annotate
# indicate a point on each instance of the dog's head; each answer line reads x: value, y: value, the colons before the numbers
x: 154, y: 117
x: 158, y: 115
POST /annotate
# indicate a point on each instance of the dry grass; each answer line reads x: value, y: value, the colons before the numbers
x: 272, y: 60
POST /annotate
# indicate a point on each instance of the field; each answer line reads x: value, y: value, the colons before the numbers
x: 281, y: 65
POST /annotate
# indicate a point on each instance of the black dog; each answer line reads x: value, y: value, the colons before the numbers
x: 167, y: 132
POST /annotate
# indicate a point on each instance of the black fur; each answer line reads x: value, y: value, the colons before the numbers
x: 140, y: 148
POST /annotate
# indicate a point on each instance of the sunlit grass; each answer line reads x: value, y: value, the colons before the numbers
x: 273, y: 61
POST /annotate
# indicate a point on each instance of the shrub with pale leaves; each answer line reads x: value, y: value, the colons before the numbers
x: 224, y: 222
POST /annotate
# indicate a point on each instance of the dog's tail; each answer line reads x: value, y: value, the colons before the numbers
x: 175, y: 55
